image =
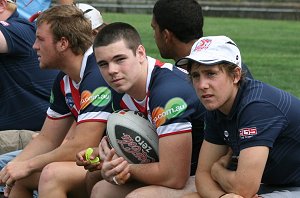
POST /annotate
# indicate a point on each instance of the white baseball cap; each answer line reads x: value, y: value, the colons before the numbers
x: 212, y: 50
x: 92, y: 14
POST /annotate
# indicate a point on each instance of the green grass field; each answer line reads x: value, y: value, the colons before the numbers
x: 270, y: 48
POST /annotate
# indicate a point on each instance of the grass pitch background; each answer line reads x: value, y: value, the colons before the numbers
x: 270, y: 48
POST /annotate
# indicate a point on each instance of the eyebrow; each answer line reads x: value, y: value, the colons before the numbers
x: 113, y: 58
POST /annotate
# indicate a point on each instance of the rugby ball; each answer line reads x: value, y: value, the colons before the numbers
x: 132, y: 136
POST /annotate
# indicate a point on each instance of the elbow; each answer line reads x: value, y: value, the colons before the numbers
x: 246, y: 190
x: 176, y: 185
x: 177, y: 182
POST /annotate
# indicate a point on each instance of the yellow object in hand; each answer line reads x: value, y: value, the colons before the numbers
x: 88, y: 154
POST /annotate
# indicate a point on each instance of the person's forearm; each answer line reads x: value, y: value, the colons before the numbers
x: 156, y: 176
x: 230, y: 181
x: 53, y: 153
x: 59, y: 154
x: 225, y: 178
x: 207, y: 187
x: 36, y: 146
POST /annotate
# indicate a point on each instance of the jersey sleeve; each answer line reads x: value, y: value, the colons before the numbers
x: 172, y: 102
x: 18, y: 35
x: 58, y: 107
x: 96, y: 97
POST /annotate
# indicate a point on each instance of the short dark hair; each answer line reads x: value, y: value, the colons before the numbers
x: 182, y: 17
x: 117, y: 31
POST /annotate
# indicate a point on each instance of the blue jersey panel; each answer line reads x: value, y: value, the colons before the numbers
x: 25, y: 88
x: 172, y: 103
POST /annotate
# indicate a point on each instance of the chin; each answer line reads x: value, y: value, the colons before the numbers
x: 42, y: 66
x: 118, y: 89
x: 210, y: 107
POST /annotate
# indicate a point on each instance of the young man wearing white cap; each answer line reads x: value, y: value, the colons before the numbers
x: 251, y: 145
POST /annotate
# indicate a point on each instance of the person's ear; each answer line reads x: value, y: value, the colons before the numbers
x: 63, y: 44
x: 141, y: 53
x: 95, y: 32
x: 167, y: 35
x: 3, y: 5
x: 237, y: 74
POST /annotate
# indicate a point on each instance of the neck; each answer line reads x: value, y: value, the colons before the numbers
x: 5, y: 14
x: 227, y: 107
x: 182, y: 49
x: 138, y: 91
x: 71, y: 65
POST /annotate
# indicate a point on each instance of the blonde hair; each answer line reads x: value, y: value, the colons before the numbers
x: 11, y: 6
x: 68, y: 21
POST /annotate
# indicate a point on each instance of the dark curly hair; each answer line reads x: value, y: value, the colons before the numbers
x: 182, y: 17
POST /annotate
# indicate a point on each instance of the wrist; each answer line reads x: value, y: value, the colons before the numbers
x: 32, y: 165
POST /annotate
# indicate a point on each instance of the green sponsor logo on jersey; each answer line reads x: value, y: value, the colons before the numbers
x: 101, y: 96
x: 175, y: 107
x: 51, y: 97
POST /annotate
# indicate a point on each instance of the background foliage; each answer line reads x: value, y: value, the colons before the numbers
x: 270, y: 48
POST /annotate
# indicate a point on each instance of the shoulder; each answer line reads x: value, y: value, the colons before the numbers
x: 254, y: 91
x: 92, y: 72
x: 19, y: 23
x: 18, y: 32
x: 170, y: 82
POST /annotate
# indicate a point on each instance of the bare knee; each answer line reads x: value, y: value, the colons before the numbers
x: 140, y: 192
x: 135, y: 194
x: 91, y: 179
x: 98, y: 190
x: 107, y: 190
x: 48, y: 174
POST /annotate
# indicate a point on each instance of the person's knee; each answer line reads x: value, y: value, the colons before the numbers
x: 91, y: 179
x: 140, y: 192
x: 96, y: 190
x: 49, y: 174
x: 102, y: 189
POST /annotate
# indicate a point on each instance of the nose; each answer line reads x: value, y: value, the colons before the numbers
x: 35, y: 45
x: 201, y: 84
x: 113, y: 68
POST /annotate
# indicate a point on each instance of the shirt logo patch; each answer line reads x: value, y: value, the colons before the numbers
x: 248, y: 132
x: 99, y: 98
x: 174, y: 108
x: 4, y: 23
x: 69, y: 100
x: 203, y: 44
x: 51, y: 97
